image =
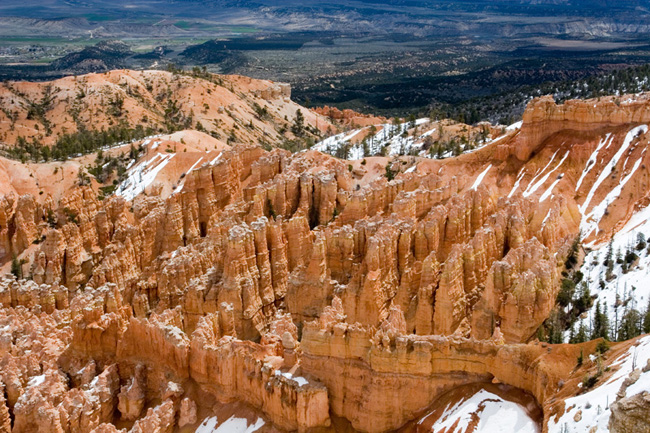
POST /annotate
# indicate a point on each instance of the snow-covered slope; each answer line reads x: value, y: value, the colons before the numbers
x: 590, y: 411
x: 628, y: 286
x: 591, y: 219
x: 143, y: 175
x: 394, y: 138
x: 408, y: 138
x: 485, y: 412
x: 167, y: 161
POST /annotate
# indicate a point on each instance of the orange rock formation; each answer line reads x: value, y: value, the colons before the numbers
x: 271, y: 279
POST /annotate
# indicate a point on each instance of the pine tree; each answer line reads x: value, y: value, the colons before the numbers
x: 600, y: 323
x: 583, y: 300
x: 630, y: 325
x: 581, y: 335
x: 565, y: 294
x: 609, y: 263
x: 554, y: 328
x: 298, y: 124
x: 16, y: 268
x: 390, y: 174
x: 646, y: 319
x: 604, y: 333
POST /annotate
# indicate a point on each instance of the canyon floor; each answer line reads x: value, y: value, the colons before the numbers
x: 234, y: 262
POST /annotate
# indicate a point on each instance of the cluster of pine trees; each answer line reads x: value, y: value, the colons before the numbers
x: 632, y: 324
x: 79, y: 143
x: 574, y: 299
x: 402, y: 129
x: 107, y: 167
x: 508, y: 107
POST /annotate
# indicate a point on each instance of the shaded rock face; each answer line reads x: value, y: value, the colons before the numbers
x: 630, y: 414
x: 271, y: 279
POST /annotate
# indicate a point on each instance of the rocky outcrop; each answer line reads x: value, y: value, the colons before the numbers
x: 260, y: 244
x: 285, y: 282
x: 131, y: 398
x: 358, y: 365
x: 349, y: 117
x: 275, y: 91
x: 543, y: 118
x: 240, y: 370
x: 630, y: 414
x: 187, y: 413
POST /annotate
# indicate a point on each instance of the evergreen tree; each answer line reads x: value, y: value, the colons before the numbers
x: 640, y: 242
x: 565, y: 294
x: 390, y: 174
x: 646, y: 319
x: 619, y: 257
x: 412, y: 121
x: 581, y: 335
x: 583, y: 300
x: 554, y: 328
x: 630, y: 325
x: 609, y: 263
x: 298, y: 124
x: 16, y: 267
x: 600, y: 323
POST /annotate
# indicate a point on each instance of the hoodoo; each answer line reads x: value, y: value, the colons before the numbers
x: 226, y: 282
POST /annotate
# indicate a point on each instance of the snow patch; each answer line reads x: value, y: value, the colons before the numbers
x: 195, y: 164
x: 591, y: 222
x: 495, y: 414
x: 604, y: 173
x: 480, y: 177
x: 231, y: 425
x: 516, y: 185
x: 215, y: 160
x: 532, y: 188
x: 36, y: 381
x: 143, y: 175
x: 549, y: 191
x: 593, y: 159
x: 301, y: 380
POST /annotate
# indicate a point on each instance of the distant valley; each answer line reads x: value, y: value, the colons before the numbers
x: 371, y: 56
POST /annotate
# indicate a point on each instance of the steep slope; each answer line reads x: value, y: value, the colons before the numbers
x: 314, y: 290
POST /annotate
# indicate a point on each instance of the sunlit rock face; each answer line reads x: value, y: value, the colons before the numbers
x: 243, y: 288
